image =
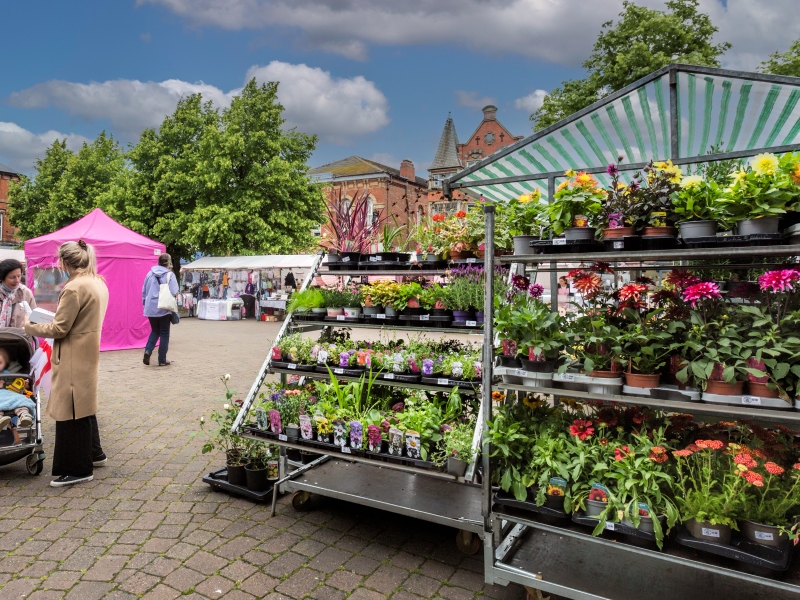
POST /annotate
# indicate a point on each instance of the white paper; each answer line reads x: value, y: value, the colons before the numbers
x: 26, y: 307
x: 40, y: 315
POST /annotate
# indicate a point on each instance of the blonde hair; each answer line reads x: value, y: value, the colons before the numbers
x: 78, y: 258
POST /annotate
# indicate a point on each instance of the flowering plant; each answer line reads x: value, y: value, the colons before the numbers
x: 526, y: 214
x: 580, y: 195
x: 698, y: 199
x: 762, y: 189
x: 457, y: 234
x: 773, y: 491
x: 428, y: 235
x: 522, y: 317
x: 654, y: 206
x: 620, y: 204
x: 221, y: 436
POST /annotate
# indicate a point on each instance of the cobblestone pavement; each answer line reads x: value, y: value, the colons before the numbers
x: 148, y: 527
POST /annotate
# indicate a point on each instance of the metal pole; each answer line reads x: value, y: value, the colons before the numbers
x: 551, y: 190
x: 488, y: 358
x: 674, y: 142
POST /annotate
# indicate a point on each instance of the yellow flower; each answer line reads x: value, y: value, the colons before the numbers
x: 584, y: 179
x: 691, y: 181
x: 524, y: 198
x: 620, y: 185
x: 796, y: 175
x: 661, y: 165
x: 570, y: 173
x: 765, y: 164
x: 562, y: 185
x: 739, y: 176
x: 536, y: 195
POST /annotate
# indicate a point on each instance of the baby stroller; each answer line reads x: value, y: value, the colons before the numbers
x: 21, y: 442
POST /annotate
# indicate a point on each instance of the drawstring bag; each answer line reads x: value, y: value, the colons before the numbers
x: 166, y: 301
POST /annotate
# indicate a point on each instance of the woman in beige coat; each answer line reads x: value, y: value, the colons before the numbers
x: 75, y: 330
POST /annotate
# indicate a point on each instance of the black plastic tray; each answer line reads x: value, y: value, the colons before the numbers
x: 728, y: 241
x: 766, y: 557
x: 374, y: 321
x: 463, y: 324
x: 450, y: 382
x: 505, y: 499
x: 569, y: 247
x: 659, y: 242
x: 581, y: 519
x: 219, y: 481
x: 347, y: 372
x: 404, y: 378
x: 292, y: 366
x: 628, y: 243
x: 344, y: 320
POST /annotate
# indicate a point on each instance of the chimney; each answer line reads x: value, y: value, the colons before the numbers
x: 407, y: 169
x: 489, y: 113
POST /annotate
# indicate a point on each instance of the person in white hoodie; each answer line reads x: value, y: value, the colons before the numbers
x: 160, y: 319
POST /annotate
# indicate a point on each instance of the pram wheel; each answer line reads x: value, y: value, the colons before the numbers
x: 34, y: 464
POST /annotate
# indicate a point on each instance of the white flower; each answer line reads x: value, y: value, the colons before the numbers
x: 226, y: 406
x: 227, y: 376
x: 202, y: 419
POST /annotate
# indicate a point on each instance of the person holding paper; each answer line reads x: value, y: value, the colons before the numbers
x: 75, y: 361
x: 12, y: 294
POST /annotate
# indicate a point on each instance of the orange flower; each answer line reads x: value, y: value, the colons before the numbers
x: 682, y: 453
x: 773, y: 469
x: 584, y: 180
x: 796, y: 175
x: 745, y: 460
x: 461, y: 214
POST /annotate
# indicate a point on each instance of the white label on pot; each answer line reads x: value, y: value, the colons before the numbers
x: 291, y: 366
x: 345, y: 259
x: 380, y: 316
x: 424, y: 317
x: 283, y: 438
x: 389, y: 376
x: 560, y: 242
x: 443, y: 381
x: 340, y: 317
x: 472, y: 260
x: 339, y: 371
x: 565, y: 376
x: 752, y: 400
x: 609, y: 526
x: 374, y: 258
x: 619, y: 245
x: 710, y: 532
x: 763, y: 535
x: 472, y: 323
x: 520, y: 373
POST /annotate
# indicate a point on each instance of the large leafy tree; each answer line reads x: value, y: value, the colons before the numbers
x: 783, y: 63
x: 640, y: 42
x: 67, y: 185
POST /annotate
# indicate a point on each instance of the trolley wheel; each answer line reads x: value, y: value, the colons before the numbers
x: 300, y: 500
x: 33, y: 464
x: 534, y: 594
x: 467, y: 542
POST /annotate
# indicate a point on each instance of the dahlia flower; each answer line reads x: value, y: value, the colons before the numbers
x: 535, y: 291
x: 587, y: 283
x: 704, y: 290
x: 778, y: 281
x: 680, y: 279
x: 691, y: 181
x: 612, y: 169
x: 520, y: 282
x: 765, y: 164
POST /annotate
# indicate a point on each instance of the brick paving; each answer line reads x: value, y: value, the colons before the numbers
x: 148, y: 527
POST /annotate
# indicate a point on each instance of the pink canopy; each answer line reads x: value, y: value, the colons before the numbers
x: 123, y: 259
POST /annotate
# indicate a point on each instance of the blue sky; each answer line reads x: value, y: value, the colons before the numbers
x: 371, y: 77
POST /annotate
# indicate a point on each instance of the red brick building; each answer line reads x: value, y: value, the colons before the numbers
x: 397, y: 193
x: 452, y: 156
x: 9, y: 233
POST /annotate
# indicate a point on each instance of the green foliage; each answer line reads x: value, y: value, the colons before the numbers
x: 698, y: 200
x: 305, y: 300
x: 640, y: 42
x: 783, y: 63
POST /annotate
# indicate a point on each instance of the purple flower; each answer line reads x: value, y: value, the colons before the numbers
x: 520, y: 282
x: 535, y: 291
x: 612, y: 169
x: 443, y: 428
x: 399, y: 407
x: 634, y: 186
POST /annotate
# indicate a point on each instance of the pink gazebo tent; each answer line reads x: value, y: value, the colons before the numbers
x: 123, y: 259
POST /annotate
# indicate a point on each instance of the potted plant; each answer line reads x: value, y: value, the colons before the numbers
x: 389, y: 236
x: 527, y: 220
x: 306, y: 300
x: 464, y: 293
x: 382, y: 294
x: 617, y: 212
x: 256, y: 467
x: 428, y: 238
x: 698, y: 207
x: 406, y: 299
x: 574, y: 206
x: 456, y: 448
x: 289, y: 408
x: 546, y: 476
x: 352, y: 227
x: 654, y: 211
x: 335, y: 300
x: 646, y: 342
x: 351, y: 302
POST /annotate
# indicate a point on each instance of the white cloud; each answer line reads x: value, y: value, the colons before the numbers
x: 19, y: 148
x: 472, y: 100
x: 532, y: 102
x: 336, y: 109
x: 561, y: 31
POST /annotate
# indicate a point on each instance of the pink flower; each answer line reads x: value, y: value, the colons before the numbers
x: 704, y: 290
x: 778, y: 281
x: 535, y: 291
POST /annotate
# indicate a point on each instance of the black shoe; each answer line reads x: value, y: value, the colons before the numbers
x: 164, y: 364
x: 146, y: 359
x: 65, y: 480
x: 100, y: 461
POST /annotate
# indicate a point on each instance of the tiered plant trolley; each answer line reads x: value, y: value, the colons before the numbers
x: 678, y: 112
x: 397, y: 486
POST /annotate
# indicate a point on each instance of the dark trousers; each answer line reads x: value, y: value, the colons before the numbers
x: 160, y: 333
x: 77, y: 445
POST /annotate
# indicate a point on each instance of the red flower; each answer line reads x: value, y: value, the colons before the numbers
x: 693, y: 447
x: 461, y: 214
x: 658, y: 458
x: 601, y: 267
x: 682, y: 453
x: 746, y: 460
x: 606, y: 417
x: 705, y: 290
x: 778, y: 281
x: 711, y: 444
x: 658, y: 450
x: 632, y: 291
x: 773, y: 469
x: 604, y: 442
x: 753, y: 478
x: 581, y: 428
x: 587, y: 283
x: 796, y: 466
x: 680, y: 279
x: 621, y: 453
x: 438, y: 218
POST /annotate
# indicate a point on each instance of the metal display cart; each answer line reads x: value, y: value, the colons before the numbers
x: 421, y: 493
x: 677, y: 112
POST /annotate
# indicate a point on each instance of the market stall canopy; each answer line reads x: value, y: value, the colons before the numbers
x: 123, y: 259
x: 252, y: 263
x: 679, y: 112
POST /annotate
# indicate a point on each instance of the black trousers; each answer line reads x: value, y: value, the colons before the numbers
x: 77, y: 445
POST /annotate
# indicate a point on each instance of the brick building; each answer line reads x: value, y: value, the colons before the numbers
x: 397, y: 193
x: 9, y: 233
x: 452, y: 156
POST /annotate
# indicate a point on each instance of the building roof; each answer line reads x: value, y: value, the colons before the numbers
x: 7, y: 169
x: 447, y: 152
x: 353, y: 166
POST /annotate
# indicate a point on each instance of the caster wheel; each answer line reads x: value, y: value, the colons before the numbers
x: 467, y: 542
x: 300, y: 501
x: 33, y: 464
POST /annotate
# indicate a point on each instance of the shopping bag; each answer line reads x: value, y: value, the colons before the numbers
x: 166, y: 301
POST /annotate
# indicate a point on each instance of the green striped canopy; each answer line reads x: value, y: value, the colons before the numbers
x: 734, y: 113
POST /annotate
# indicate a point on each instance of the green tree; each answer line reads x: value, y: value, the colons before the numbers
x: 640, y: 42
x: 66, y: 186
x: 786, y: 63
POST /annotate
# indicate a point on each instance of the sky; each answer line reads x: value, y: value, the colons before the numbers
x: 373, y: 78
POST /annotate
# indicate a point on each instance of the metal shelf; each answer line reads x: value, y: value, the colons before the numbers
x: 344, y: 324
x: 387, y: 382
x: 392, y: 272
x: 703, y: 408
x: 588, y: 567
x: 655, y: 255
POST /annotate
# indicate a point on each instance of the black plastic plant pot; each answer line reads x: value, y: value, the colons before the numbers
x: 236, y: 475
x: 659, y: 242
x: 538, y: 366
x: 349, y: 259
x: 625, y: 244
x: 389, y: 256
x: 256, y: 479
x: 512, y: 362
x: 441, y: 312
x: 408, y: 310
x: 403, y: 257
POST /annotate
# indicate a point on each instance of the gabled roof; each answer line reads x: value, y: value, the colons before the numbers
x: 353, y: 166
x: 6, y: 169
x: 447, y: 152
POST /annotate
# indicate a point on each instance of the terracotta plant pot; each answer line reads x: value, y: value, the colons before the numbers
x: 617, y: 232
x: 761, y: 390
x: 766, y: 535
x: 606, y: 374
x: 660, y: 231
x: 461, y: 255
x: 703, y: 530
x: 335, y: 312
x: 720, y: 388
x: 640, y: 380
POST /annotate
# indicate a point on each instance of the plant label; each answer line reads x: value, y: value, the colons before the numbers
x: 443, y: 381
x: 560, y: 242
x: 345, y: 259
x: 283, y: 438
x: 291, y: 366
x: 340, y: 317
x: 565, y: 376
x: 763, y: 535
x: 424, y: 317
x: 389, y: 376
x: 374, y: 258
x: 710, y: 532
x: 619, y: 245
x: 609, y: 526
x: 520, y: 373
x: 339, y: 371
x: 346, y: 450
x: 381, y: 316
x: 751, y: 400
x: 472, y: 323
x: 472, y: 260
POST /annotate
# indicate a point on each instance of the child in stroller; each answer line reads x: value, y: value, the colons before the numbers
x: 13, y: 402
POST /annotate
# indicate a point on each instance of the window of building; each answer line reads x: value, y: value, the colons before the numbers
x: 448, y: 208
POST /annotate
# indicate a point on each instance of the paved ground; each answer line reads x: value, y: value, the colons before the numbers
x: 147, y: 527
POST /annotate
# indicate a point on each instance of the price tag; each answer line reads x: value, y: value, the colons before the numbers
x: 340, y: 317
x: 346, y: 450
x: 424, y: 317
x: 443, y: 381
x: 619, y: 245
x: 560, y: 242
x: 291, y: 366
x: 610, y: 526
x: 381, y: 316
x: 283, y: 438
x: 751, y: 400
x: 374, y: 258
x: 345, y: 259
x: 565, y: 376
x: 472, y: 260
x: 710, y: 532
x: 472, y: 323
x: 763, y: 535
x: 389, y: 376
x: 520, y: 373
x: 339, y: 371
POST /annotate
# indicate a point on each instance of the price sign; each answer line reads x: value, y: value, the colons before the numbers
x: 374, y: 258
x: 283, y: 438
x: 381, y: 316
x: 424, y: 317
x: 710, y: 532
x: 763, y: 535
x: 472, y: 260
x: 443, y: 381
x: 345, y: 259
x: 560, y: 242
x: 520, y: 373
x: 472, y: 323
x: 610, y: 526
x: 751, y: 400
x: 339, y: 371
x: 292, y: 366
x: 389, y: 376
x: 340, y: 317
x: 619, y: 245
x: 565, y: 376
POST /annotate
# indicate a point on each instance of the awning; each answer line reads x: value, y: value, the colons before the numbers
x: 252, y: 263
